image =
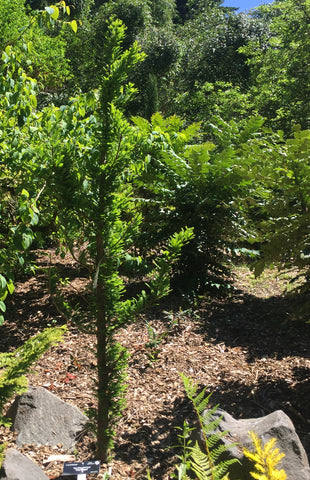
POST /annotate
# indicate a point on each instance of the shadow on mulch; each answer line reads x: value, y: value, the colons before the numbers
x: 154, y: 443
x: 30, y: 309
x: 157, y: 444
x: 28, y: 312
x: 263, y: 326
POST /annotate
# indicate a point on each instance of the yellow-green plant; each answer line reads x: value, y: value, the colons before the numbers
x: 2, y: 452
x: 14, y: 365
x: 266, y: 458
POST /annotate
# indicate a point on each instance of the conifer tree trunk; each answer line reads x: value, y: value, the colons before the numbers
x: 102, y: 367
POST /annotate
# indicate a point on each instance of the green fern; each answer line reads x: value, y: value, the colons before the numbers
x: 206, y: 465
x: 201, y: 464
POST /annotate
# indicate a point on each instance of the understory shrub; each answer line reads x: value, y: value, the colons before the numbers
x: 14, y: 365
x: 198, y: 184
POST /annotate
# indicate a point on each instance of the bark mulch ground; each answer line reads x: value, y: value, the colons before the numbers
x: 245, y: 349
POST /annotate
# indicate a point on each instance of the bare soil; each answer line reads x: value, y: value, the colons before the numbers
x: 245, y: 349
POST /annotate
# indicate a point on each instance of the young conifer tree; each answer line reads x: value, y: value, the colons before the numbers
x: 92, y: 163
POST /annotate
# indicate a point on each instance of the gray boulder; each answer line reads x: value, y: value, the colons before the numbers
x: 19, y: 467
x: 275, y: 425
x: 41, y: 418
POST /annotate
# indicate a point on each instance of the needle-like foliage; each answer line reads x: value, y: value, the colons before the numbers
x: 266, y: 458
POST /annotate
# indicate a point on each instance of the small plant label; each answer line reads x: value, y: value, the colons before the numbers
x: 81, y: 469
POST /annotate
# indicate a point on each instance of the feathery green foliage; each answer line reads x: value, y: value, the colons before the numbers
x: 277, y: 206
x: 205, y: 461
x: 2, y: 452
x: 89, y: 148
x: 186, y: 182
x: 14, y: 366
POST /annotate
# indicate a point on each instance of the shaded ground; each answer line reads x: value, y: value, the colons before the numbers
x: 245, y: 349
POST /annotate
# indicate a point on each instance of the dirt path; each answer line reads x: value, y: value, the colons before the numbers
x: 244, y: 349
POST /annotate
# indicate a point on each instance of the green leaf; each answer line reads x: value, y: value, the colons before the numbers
x: 34, y: 219
x: 33, y: 100
x: 2, y: 306
x: 23, y: 237
x: 24, y: 194
x: 4, y: 295
x: 20, y: 259
x: 50, y: 10
x: 1, y: 320
x: 3, y: 283
x: 10, y: 287
x: 26, y: 240
x: 55, y: 15
x: 74, y: 25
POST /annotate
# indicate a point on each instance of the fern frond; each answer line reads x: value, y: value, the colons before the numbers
x: 201, y: 401
x: 200, y: 464
x: 223, y: 467
x: 217, y: 452
x: 210, y: 423
x: 206, y: 469
x: 207, y: 464
x: 190, y: 386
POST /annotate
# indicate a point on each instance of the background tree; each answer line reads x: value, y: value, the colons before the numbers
x: 163, y: 50
x: 13, y: 21
x: 85, y: 50
x: 163, y: 12
x: 280, y: 65
x: 207, y: 46
x: 278, y: 206
x: 212, y: 54
x: 45, y: 57
x: 147, y: 22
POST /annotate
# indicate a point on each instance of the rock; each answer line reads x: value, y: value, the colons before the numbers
x: 275, y: 425
x: 41, y: 418
x: 19, y: 467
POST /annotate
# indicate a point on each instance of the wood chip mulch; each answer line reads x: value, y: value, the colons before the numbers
x: 244, y: 349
